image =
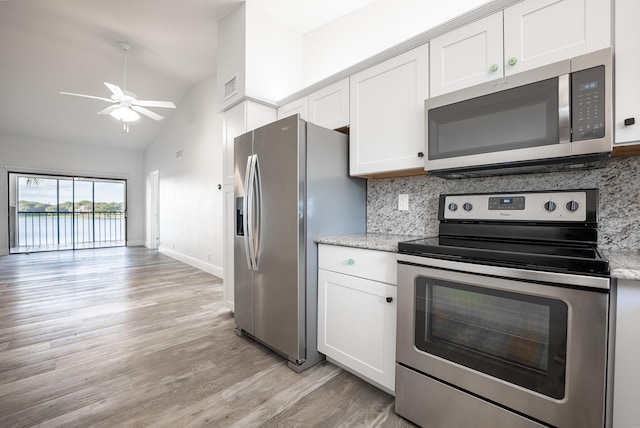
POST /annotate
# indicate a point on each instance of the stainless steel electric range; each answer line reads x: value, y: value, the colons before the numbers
x: 503, y: 320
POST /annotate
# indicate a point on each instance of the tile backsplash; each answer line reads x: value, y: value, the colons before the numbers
x: 619, y: 199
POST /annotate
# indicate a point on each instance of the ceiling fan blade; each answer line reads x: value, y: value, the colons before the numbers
x: 109, y: 109
x: 88, y: 96
x: 148, y: 113
x: 149, y: 103
x: 115, y: 89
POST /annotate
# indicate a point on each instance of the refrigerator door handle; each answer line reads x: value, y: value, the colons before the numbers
x: 257, y: 196
x: 251, y: 213
x: 245, y: 207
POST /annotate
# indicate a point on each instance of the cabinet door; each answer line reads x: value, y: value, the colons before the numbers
x: 466, y: 56
x: 626, y: 412
x: 627, y: 71
x: 357, y: 325
x: 329, y: 107
x: 540, y: 32
x: 229, y: 232
x: 244, y: 117
x: 386, y: 114
x: 300, y: 107
x: 234, y: 124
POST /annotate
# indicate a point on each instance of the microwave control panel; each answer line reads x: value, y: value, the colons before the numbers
x: 587, y: 103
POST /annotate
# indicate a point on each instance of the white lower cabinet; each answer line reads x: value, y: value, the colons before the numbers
x: 357, y: 315
x: 626, y: 412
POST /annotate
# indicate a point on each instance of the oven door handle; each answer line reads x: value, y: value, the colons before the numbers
x: 582, y: 281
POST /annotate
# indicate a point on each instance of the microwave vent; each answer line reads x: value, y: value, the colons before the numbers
x: 572, y: 163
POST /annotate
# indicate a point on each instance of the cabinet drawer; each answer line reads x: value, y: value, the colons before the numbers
x: 369, y: 264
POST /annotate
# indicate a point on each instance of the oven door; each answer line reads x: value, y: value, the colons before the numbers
x: 535, y: 348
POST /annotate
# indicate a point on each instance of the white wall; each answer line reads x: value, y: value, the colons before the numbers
x: 190, y: 204
x: 273, y: 57
x: 372, y: 29
x: 47, y: 157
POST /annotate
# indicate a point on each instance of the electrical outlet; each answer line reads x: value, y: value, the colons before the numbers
x: 403, y: 202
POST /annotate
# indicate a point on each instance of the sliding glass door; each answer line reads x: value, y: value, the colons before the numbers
x: 58, y: 213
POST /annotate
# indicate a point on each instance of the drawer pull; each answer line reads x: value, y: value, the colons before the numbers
x: 351, y: 262
x: 389, y: 299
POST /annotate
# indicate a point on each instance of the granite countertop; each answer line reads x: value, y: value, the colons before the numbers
x: 369, y: 241
x: 622, y: 264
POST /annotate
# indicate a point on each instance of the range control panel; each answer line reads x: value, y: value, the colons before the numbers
x: 568, y: 206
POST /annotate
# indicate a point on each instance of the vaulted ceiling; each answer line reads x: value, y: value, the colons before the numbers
x: 71, y: 45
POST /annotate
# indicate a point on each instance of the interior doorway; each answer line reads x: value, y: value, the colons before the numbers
x: 153, y: 208
x: 51, y: 212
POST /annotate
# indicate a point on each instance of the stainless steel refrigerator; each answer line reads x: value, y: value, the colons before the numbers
x: 291, y: 184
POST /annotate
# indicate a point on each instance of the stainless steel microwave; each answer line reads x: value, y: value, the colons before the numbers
x: 557, y: 116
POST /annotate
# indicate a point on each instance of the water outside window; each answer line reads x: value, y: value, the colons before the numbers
x: 57, y: 213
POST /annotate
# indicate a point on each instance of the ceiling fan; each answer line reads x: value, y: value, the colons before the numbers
x: 127, y: 105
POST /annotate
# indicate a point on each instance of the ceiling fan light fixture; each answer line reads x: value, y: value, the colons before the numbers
x: 126, y: 107
x: 125, y: 114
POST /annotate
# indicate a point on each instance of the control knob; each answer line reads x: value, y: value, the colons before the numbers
x: 550, y: 206
x: 573, y: 206
x: 467, y: 206
x: 453, y: 206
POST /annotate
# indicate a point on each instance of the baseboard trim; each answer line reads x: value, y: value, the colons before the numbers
x: 4, y: 251
x: 207, y: 267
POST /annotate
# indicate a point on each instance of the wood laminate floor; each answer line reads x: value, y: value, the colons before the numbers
x: 126, y: 337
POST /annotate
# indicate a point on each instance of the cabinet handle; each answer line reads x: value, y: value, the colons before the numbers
x: 512, y: 61
x: 493, y: 68
x: 351, y: 262
x: 630, y: 121
x: 389, y: 299
x: 420, y: 154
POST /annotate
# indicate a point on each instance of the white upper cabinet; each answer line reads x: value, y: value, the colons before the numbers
x: 244, y: 117
x: 327, y: 107
x: 627, y: 116
x: 526, y: 35
x: 466, y: 56
x: 386, y: 114
x: 299, y: 106
x: 540, y: 32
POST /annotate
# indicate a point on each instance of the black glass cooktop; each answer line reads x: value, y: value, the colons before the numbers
x: 511, y: 253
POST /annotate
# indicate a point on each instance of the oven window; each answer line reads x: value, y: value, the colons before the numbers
x: 515, y: 337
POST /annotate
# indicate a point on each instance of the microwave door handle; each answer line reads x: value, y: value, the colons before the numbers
x: 246, y: 222
x: 564, y: 110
